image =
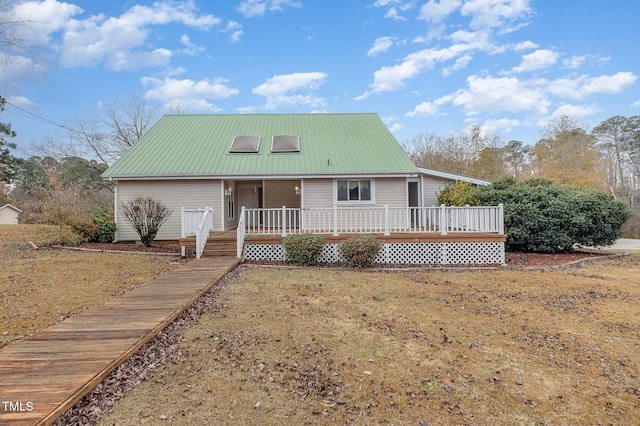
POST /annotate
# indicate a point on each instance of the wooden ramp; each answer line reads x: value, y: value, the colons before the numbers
x: 44, y: 375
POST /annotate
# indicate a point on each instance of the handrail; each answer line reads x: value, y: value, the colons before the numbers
x: 202, y: 232
x: 240, y: 233
x: 373, y: 220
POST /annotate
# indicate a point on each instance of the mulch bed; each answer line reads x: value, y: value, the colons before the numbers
x: 512, y: 258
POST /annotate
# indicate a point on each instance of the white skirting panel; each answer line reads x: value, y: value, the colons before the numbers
x: 414, y: 253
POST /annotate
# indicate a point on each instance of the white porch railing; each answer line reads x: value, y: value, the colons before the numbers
x: 241, y: 232
x: 372, y: 220
x: 198, y: 223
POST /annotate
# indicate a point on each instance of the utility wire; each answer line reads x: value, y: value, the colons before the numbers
x: 46, y: 120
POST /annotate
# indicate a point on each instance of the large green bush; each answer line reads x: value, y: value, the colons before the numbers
x: 303, y: 249
x: 548, y: 217
x: 360, y: 252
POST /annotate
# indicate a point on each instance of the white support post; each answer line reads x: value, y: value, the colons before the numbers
x: 182, y: 232
x: 387, y: 232
x: 284, y: 221
x: 443, y: 220
x: 335, y: 220
x: 501, y: 218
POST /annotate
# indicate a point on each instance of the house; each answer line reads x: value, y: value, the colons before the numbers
x: 9, y: 214
x: 284, y: 169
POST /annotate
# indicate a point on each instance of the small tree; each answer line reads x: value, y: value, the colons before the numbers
x: 146, y: 215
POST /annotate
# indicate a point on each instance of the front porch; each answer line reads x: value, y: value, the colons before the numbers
x: 411, y: 235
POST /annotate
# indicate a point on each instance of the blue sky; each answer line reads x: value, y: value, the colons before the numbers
x: 508, y: 66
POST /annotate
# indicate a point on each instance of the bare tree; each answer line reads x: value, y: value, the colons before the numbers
x: 15, y: 34
x: 105, y: 136
x: 146, y: 215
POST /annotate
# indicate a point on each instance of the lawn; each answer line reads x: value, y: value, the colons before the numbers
x: 280, y: 346
x: 319, y: 346
x: 39, y: 287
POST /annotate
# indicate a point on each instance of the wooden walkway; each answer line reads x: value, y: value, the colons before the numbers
x: 44, y: 375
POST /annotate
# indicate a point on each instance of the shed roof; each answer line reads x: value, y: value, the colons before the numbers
x: 2, y: 206
x: 199, y: 146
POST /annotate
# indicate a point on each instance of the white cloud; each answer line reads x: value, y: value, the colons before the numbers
x: 189, y: 95
x: 39, y: 19
x: 506, y: 94
x: 495, y: 13
x: 539, y: 59
x: 112, y: 40
x: 19, y: 69
x: 525, y: 45
x: 395, y: 7
x: 436, y: 11
x: 501, y: 125
x: 574, y: 111
x: 391, y: 78
x: 582, y: 86
x: 381, y: 45
x: 636, y: 104
x: 575, y: 61
x: 22, y: 102
x: 610, y: 84
x: 234, y: 29
x: 253, y: 8
x: 425, y: 109
x: 279, y: 89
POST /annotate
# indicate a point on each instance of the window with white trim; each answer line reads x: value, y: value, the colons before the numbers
x: 354, y: 190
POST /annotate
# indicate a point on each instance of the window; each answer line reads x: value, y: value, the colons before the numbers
x: 354, y: 190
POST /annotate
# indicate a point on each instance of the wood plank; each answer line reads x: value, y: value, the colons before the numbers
x: 55, y: 368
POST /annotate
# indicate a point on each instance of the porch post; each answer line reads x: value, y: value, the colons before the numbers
x: 386, y: 220
x: 501, y: 218
x: 284, y: 221
x: 182, y: 233
x: 443, y: 220
x: 335, y: 220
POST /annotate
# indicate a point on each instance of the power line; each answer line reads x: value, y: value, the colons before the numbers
x: 46, y: 120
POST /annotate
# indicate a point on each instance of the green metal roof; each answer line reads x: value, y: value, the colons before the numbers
x: 198, y: 145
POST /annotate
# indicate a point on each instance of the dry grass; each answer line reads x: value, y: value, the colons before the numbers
x: 39, y: 287
x: 317, y: 346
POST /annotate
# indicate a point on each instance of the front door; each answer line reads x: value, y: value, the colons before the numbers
x: 251, y: 198
x: 414, y: 202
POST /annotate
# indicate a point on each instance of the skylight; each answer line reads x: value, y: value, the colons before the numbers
x: 245, y: 144
x: 284, y: 143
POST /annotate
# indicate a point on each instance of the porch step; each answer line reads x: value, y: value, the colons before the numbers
x: 220, y: 244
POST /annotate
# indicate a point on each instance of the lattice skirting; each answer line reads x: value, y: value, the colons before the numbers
x: 446, y: 253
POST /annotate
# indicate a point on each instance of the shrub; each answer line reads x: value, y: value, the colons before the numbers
x: 146, y: 215
x: 360, y: 252
x: 549, y: 217
x: 459, y: 193
x: 86, y: 229
x: 106, y: 229
x: 303, y: 249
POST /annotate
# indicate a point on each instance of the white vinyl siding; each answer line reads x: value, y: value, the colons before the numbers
x: 431, y: 187
x: 391, y: 192
x: 278, y: 193
x: 175, y: 195
x: 317, y: 193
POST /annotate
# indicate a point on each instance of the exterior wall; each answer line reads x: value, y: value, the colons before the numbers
x: 391, y: 192
x: 229, y: 222
x: 319, y: 193
x: 175, y: 195
x: 431, y: 187
x: 278, y: 193
x: 8, y: 216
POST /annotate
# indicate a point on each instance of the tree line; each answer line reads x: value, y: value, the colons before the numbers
x: 607, y: 158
